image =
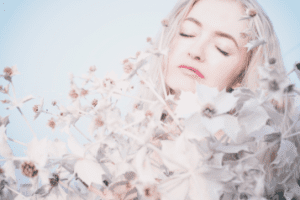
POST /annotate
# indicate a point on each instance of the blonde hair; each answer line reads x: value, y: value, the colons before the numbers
x: 261, y: 27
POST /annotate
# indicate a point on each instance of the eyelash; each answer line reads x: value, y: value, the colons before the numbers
x: 223, y: 52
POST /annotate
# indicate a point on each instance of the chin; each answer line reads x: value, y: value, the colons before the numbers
x: 181, y: 83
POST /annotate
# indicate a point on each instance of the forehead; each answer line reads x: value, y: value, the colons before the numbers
x: 221, y: 15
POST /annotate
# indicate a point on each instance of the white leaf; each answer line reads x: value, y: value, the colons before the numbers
x: 9, y: 169
x: 5, y: 150
x: 231, y: 127
x: 187, y: 104
x: 44, y: 176
x: 37, y: 151
x: 25, y: 99
x: 255, y: 43
x: 57, y: 148
x: 143, y: 166
x: 176, y: 190
x: 194, y: 129
x: 286, y: 153
x: 89, y: 171
x: 75, y: 147
x: 202, y: 188
x: 252, y: 116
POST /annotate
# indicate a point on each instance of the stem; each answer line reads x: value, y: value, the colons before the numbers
x: 162, y: 101
x: 139, y: 99
x: 290, y: 71
x: 285, y: 111
x: 151, y: 146
x: 260, y: 151
x: 13, y: 88
x: 16, y: 141
x: 34, y: 134
x: 297, y: 133
x: 48, y: 112
x: 16, y: 192
x: 294, y: 124
x: 160, y: 70
x: 82, y: 134
x: 66, y: 186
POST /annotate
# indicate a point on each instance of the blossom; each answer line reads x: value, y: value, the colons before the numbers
x: 51, y: 123
x: 38, y: 109
x: 19, y: 103
x: 9, y: 72
x: 89, y: 171
x: 128, y: 67
x: 4, y: 90
x: 275, y: 83
x: 255, y: 43
x: 94, y: 102
x: 165, y: 22
x: 29, y: 169
x: 250, y: 13
x: 96, y: 123
x: 187, y: 104
x: 212, y: 102
x: 297, y: 69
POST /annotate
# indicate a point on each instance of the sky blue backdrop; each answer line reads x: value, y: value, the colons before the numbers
x: 48, y: 39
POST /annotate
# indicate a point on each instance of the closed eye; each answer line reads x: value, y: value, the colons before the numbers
x: 223, y: 52
x: 184, y: 35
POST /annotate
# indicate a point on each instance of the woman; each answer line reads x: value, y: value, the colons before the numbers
x: 207, y: 42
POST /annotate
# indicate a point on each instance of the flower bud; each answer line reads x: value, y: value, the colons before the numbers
x: 251, y: 12
x: 272, y: 61
x: 165, y: 22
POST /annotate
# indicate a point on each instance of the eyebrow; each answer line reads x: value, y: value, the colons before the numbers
x: 217, y: 33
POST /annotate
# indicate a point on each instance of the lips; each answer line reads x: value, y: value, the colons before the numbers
x: 192, y: 69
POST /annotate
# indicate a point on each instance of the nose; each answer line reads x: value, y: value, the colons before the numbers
x: 197, y: 49
x: 195, y: 57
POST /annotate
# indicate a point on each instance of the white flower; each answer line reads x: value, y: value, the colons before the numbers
x: 187, y: 104
x: 5, y: 150
x: 213, y: 102
x: 252, y: 116
x: 196, y: 186
x: 89, y: 171
x: 250, y: 13
x: 57, y: 148
x: 275, y: 83
x: 37, y: 151
x: 255, y: 43
x: 38, y: 109
x: 10, y: 72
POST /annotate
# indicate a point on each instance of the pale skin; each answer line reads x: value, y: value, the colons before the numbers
x: 210, y: 41
x: 201, y: 43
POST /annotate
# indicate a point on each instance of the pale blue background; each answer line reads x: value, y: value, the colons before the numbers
x: 48, y: 39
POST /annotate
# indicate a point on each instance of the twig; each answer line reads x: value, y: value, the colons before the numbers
x: 69, y: 188
x: 285, y: 112
x: 297, y: 133
x: 16, y: 141
x: 44, y: 111
x: 151, y: 146
x: 139, y: 99
x: 162, y: 101
x: 82, y: 134
x: 16, y: 192
x: 34, y: 134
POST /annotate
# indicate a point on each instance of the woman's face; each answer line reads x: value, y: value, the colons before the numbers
x: 209, y: 41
